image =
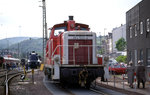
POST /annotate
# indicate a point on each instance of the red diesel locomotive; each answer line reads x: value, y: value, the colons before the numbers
x: 71, y: 54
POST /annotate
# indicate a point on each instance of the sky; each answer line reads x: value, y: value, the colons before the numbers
x: 24, y: 17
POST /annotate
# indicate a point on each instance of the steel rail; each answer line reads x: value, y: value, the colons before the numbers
x: 93, y: 88
x: 99, y: 92
x: 3, y: 70
x: 7, y: 74
x: 7, y: 80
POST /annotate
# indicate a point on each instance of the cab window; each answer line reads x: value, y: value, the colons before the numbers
x: 59, y: 30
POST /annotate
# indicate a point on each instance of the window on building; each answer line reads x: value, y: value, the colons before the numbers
x: 148, y: 25
x: 141, y: 55
x: 148, y: 56
x: 135, y: 30
x: 130, y: 56
x: 141, y: 27
x: 130, y: 32
x: 135, y: 57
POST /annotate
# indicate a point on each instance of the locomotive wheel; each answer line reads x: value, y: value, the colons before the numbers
x: 49, y: 77
x: 47, y: 72
x: 88, y: 85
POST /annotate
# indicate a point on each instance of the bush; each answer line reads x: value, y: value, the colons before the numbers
x: 122, y: 59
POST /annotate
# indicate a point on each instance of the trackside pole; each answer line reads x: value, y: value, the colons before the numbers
x: 114, y: 81
x: 123, y: 80
x: 135, y: 80
x: 24, y: 70
x: 94, y: 83
x: 18, y: 68
x: 33, y: 76
x: 149, y: 78
x: 107, y: 81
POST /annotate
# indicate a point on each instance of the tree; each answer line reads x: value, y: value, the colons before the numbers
x: 121, y: 44
x: 122, y: 59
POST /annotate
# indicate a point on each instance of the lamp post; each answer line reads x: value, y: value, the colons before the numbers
x: 18, y: 50
x: 104, y: 31
x: 105, y: 42
x: 100, y: 38
x: 7, y: 45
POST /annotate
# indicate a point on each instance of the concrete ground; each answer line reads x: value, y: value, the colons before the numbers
x: 27, y: 87
x: 119, y: 83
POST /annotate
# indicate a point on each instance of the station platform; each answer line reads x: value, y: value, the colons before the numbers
x: 120, y: 84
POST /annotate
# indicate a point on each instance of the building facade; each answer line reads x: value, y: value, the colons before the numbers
x: 117, y: 33
x: 138, y: 34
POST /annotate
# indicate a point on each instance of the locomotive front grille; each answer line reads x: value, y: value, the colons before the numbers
x: 80, y: 52
x: 79, y: 48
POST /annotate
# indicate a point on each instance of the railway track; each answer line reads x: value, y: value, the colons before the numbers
x: 56, y: 89
x: 105, y: 91
x: 99, y: 92
x: 3, y: 70
x: 3, y: 75
x: 5, y: 79
x: 95, y: 89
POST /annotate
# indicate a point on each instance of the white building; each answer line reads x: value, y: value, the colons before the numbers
x: 118, y: 33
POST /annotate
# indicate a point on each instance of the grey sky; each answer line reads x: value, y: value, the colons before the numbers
x: 24, y: 17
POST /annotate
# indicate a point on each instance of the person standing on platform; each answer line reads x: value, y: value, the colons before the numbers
x: 141, y: 74
x: 106, y: 69
x: 130, y: 74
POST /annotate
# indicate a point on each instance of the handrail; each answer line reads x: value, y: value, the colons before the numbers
x: 49, y: 52
x: 72, y: 45
x: 58, y: 46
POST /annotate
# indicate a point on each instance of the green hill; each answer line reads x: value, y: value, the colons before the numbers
x: 5, y: 43
x: 27, y: 46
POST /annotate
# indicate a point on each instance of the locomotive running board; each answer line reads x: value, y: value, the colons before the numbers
x: 81, y: 66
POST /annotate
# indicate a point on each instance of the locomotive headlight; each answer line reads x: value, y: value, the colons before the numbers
x: 28, y: 61
x: 56, y: 59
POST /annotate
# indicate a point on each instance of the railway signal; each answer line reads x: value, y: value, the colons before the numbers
x: 135, y: 80
x: 33, y: 76
x: 23, y: 61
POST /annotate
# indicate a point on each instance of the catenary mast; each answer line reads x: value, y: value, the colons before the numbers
x: 44, y: 27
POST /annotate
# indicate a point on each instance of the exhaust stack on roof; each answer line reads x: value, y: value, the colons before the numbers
x: 70, y: 17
